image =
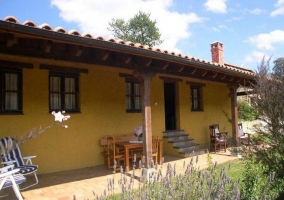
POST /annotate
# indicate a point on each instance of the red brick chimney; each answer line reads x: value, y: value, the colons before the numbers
x: 217, y: 52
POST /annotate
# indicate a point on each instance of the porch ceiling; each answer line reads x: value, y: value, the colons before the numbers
x: 27, y: 43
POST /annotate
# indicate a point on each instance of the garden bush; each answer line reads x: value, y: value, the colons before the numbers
x: 246, y: 111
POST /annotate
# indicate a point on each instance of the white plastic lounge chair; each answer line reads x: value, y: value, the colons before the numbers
x: 14, y: 157
x: 11, y: 178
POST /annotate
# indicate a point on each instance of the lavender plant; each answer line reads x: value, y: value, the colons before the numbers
x: 193, y: 183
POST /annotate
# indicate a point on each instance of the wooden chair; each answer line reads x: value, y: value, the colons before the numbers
x: 243, y: 137
x: 218, y: 140
x: 155, y: 150
x: 113, y: 153
x: 155, y: 146
x: 103, y: 143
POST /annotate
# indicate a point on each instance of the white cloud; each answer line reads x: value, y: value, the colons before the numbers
x: 255, y: 56
x: 222, y: 27
x: 265, y: 40
x: 217, y: 6
x: 93, y: 16
x: 256, y: 11
x: 279, y: 8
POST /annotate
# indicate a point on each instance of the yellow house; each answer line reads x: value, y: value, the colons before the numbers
x: 108, y: 87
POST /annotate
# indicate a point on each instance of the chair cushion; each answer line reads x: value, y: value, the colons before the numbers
x: 217, y: 130
x: 26, y: 169
x: 221, y: 139
x: 19, y: 178
x: 240, y: 132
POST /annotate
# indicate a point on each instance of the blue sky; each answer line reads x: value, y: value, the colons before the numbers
x: 249, y: 29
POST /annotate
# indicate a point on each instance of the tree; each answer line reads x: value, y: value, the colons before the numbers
x: 269, y: 92
x: 139, y: 29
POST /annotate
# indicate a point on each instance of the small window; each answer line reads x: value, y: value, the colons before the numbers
x: 133, y: 97
x: 11, y: 91
x: 63, y: 93
x: 196, y: 100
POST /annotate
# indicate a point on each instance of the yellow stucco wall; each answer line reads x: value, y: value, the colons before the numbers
x: 102, y: 104
x: 216, y: 101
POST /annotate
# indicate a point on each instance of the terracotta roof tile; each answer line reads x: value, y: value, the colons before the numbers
x: 74, y: 32
x: 87, y: 35
x: 60, y: 30
x: 99, y: 38
x: 111, y: 40
x: 128, y: 43
x: 30, y: 23
x: 11, y: 19
x: 45, y: 26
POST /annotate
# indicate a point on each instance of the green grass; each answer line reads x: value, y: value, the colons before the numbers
x: 235, y: 171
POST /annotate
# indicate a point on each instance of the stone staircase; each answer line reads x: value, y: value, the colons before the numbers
x: 177, y: 143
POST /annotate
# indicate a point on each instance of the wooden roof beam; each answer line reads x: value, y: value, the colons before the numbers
x: 10, y: 40
x: 193, y: 72
x: 149, y: 62
x: 181, y: 69
x: 166, y: 65
x: 105, y: 55
x: 214, y: 76
x: 47, y: 47
x: 79, y: 51
x: 224, y: 77
x: 128, y: 59
x: 204, y: 73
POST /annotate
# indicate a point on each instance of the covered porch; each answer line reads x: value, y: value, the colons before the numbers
x: 83, y: 182
x: 116, y: 86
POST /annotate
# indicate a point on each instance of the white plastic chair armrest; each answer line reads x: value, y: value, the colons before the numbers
x: 5, y: 169
x: 8, y: 173
x: 29, y: 159
x: 11, y: 162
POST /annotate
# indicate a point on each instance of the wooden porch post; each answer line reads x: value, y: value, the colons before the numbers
x: 234, y: 110
x: 145, y: 85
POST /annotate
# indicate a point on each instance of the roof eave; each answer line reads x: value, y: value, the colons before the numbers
x: 91, y: 42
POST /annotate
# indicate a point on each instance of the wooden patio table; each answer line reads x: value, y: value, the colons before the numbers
x: 128, y: 146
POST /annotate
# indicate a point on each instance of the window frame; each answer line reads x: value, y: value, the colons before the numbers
x: 132, y: 96
x: 198, y: 98
x: 18, y: 91
x: 62, y: 92
x: 195, y: 99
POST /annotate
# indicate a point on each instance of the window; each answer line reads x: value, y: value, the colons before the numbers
x: 196, y: 103
x: 133, y: 97
x: 63, y: 92
x: 11, y: 91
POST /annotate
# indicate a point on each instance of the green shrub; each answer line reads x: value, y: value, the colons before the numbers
x: 246, y: 111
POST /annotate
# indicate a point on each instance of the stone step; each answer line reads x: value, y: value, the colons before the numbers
x: 181, y: 144
x: 186, y: 145
x: 180, y: 141
x: 173, y: 133
x: 187, y: 149
x: 182, y: 138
